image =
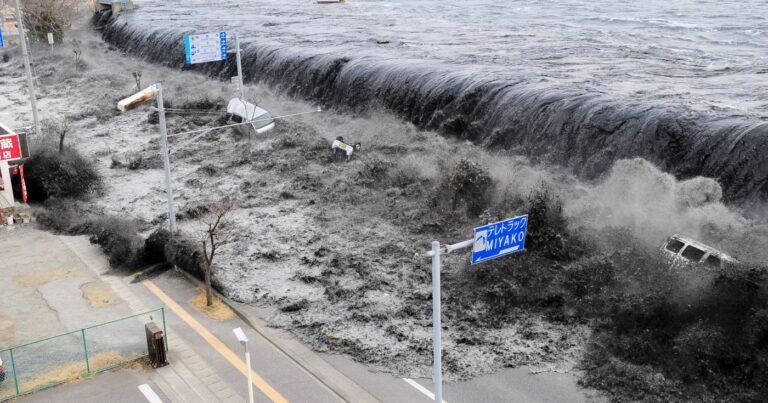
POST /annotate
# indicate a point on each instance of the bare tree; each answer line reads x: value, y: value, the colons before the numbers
x: 77, y: 53
x: 216, y: 231
x: 137, y: 77
x: 58, y: 126
x: 54, y: 16
x: 63, y: 129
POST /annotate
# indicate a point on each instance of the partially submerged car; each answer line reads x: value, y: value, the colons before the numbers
x: 243, y: 111
x: 684, y: 250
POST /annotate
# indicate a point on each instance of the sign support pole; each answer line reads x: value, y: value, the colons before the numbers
x: 437, y: 370
x: 437, y: 359
x: 166, y: 158
x: 240, y: 88
x: 490, y: 241
x: 28, y: 68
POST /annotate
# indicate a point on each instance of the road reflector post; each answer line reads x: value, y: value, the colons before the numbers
x: 243, y: 339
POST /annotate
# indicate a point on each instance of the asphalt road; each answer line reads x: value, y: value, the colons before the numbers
x: 293, y: 382
x: 113, y: 387
x: 283, y: 378
x: 278, y: 371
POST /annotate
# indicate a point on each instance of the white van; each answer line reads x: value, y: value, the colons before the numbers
x: 242, y: 111
x: 684, y: 250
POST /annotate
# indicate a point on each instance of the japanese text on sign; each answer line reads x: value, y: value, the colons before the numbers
x: 9, y: 147
x: 499, y: 239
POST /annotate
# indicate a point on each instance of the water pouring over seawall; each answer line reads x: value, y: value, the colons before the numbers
x: 550, y: 122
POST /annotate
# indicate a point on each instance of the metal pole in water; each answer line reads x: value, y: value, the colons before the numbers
x: 437, y: 371
x: 239, y: 67
x: 28, y: 68
x: 166, y: 158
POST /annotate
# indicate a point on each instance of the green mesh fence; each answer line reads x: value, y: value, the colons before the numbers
x: 51, y: 361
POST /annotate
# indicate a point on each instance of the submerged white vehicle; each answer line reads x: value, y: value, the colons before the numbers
x: 684, y: 250
x: 243, y: 111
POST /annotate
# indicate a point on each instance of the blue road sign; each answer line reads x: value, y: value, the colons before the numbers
x: 499, y: 239
x: 2, y: 45
x: 205, y: 48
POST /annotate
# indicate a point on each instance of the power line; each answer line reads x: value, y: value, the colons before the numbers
x: 208, y: 129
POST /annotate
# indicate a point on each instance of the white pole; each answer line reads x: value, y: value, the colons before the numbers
x: 6, y: 195
x: 240, y: 88
x: 166, y: 158
x: 248, y: 364
x: 28, y: 68
x: 437, y: 371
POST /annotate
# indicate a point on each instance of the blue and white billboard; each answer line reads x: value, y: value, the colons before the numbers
x: 499, y: 239
x: 204, y: 48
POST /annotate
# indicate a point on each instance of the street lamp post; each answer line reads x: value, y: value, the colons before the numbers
x: 243, y: 339
x: 156, y: 91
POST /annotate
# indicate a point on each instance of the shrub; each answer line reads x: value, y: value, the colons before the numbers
x: 404, y: 174
x: 54, y: 16
x: 547, y: 231
x: 466, y: 184
x: 154, y: 246
x: 185, y: 254
x: 63, y: 215
x: 374, y: 172
x: 118, y: 239
x: 63, y: 174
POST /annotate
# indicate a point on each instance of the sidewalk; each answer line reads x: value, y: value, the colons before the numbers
x: 57, y: 283
x: 206, y: 363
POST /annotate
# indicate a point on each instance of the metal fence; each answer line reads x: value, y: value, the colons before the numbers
x: 51, y: 361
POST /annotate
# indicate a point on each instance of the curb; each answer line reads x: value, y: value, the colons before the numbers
x: 336, y: 382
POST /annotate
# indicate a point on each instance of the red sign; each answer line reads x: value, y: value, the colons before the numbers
x: 9, y: 147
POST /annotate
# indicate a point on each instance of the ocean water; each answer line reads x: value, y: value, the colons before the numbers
x: 709, y: 55
x: 575, y: 82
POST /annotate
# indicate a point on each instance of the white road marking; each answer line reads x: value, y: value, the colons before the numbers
x: 420, y: 388
x: 150, y: 394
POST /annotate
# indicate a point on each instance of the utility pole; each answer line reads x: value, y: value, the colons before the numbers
x: 28, y: 68
x: 240, y: 88
x: 166, y: 158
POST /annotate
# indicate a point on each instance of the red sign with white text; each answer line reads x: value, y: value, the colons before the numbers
x: 9, y: 147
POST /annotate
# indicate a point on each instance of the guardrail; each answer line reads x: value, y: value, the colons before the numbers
x: 54, y: 360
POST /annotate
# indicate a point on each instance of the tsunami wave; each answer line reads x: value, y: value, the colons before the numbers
x: 584, y: 132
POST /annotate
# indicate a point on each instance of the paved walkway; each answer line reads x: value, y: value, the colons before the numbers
x: 206, y: 362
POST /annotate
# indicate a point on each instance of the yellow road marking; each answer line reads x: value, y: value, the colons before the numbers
x: 215, y: 343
